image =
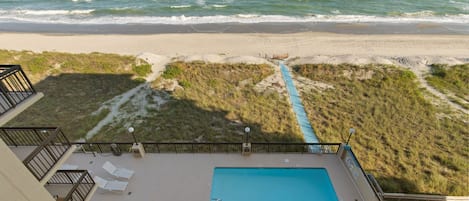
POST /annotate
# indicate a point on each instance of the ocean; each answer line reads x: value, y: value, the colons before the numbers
x: 181, y: 12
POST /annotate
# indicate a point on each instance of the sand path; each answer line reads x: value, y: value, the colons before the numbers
x: 158, y: 65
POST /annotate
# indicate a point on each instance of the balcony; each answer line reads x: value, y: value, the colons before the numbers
x: 71, y: 185
x: 42, y: 150
x: 16, y: 92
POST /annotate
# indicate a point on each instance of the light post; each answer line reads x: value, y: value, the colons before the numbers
x: 131, y: 131
x: 247, y: 130
x: 351, y: 131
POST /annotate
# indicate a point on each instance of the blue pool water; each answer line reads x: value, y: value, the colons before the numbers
x: 272, y: 184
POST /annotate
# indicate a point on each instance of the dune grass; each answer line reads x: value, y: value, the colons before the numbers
x: 412, y: 145
x: 451, y: 80
x: 74, y: 85
x: 215, y: 103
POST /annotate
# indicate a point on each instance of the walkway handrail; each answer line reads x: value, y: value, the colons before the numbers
x: 15, y: 87
x: 80, y: 179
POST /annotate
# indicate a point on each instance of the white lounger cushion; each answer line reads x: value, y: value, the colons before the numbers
x: 118, y: 172
x: 110, y: 185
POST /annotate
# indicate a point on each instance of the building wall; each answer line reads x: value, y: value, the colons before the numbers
x: 354, y: 168
x: 16, y: 182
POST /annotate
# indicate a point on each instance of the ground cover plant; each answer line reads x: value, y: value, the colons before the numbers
x: 208, y: 102
x: 410, y: 144
x: 451, y: 80
x: 74, y: 85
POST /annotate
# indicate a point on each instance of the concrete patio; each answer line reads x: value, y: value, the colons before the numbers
x: 183, y: 177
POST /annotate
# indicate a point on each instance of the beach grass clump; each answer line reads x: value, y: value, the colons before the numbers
x: 74, y: 86
x: 409, y: 144
x: 172, y: 71
x: 142, y: 70
x: 451, y: 80
x: 212, y: 103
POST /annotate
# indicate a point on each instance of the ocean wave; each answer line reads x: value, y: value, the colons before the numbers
x: 181, y: 6
x: 423, y: 13
x: 240, y: 18
x: 45, y: 12
x: 219, y: 6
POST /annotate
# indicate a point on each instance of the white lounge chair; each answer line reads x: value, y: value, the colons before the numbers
x: 110, y: 185
x: 118, y: 172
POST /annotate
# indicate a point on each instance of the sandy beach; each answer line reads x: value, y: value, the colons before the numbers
x: 248, y: 44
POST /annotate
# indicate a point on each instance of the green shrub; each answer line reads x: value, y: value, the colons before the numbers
x: 185, y: 83
x: 172, y: 71
x: 142, y: 70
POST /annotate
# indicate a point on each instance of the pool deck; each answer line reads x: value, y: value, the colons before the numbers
x: 183, y: 177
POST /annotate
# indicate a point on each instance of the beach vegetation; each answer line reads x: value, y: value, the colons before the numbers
x: 172, y: 71
x: 452, y: 81
x: 410, y: 144
x: 142, y: 70
x: 74, y: 86
x: 214, y: 104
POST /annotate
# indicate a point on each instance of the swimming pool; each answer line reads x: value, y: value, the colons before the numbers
x: 272, y: 184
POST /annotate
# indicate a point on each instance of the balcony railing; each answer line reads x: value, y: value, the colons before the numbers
x: 51, y: 146
x: 209, y: 147
x: 79, y: 181
x: 15, y: 87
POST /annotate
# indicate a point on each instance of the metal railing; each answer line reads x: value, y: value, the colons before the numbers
x: 209, y: 147
x: 15, y: 87
x: 421, y: 197
x: 268, y: 147
x: 80, y: 179
x: 26, y: 136
x: 51, y: 146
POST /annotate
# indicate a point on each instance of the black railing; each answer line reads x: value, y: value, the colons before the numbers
x: 81, y: 182
x: 51, y: 146
x: 209, y: 147
x: 27, y: 136
x: 268, y: 147
x: 15, y: 87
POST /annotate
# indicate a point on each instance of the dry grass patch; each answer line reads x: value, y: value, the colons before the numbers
x: 74, y: 85
x: 210, y: 102
x: 401, y: 137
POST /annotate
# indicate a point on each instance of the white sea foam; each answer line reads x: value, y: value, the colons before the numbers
x: 219, y: 6
x: 67, y: 17
x: 181, y: 6
x: 423, y: 13
x: 45, y: 12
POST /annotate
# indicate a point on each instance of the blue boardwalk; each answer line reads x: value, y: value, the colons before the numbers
x: 298, y: 108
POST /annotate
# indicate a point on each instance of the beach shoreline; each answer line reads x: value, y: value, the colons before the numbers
x: 381, y: 28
